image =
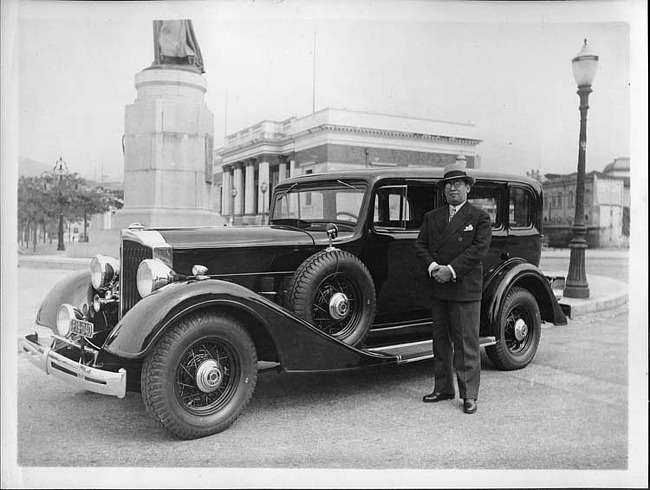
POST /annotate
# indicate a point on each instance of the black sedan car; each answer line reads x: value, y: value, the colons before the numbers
x: 190, y: 316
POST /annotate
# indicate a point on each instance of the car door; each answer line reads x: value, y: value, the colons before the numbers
x: 402, y: 291
x: 492, y: 197
x: 524, y: 223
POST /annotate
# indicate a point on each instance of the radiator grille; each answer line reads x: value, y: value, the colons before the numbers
x: 132, y: 254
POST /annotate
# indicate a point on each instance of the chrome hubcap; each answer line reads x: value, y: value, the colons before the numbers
x: 339, y: 306
x: 521, y: 330
x: 209, y: 376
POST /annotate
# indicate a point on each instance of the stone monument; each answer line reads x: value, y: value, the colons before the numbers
x: 168, y: 137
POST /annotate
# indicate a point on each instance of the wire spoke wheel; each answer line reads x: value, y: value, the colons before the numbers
x: 206, y: 376
x: 336, y: 319
x: 517, y: 330
x: 334, y: 291
x: 200, y: 375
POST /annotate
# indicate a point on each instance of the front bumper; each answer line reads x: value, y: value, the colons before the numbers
x: 73, y: 372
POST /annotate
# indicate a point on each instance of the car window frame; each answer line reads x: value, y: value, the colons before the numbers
x: 402, y: 230
x: 535, y: 211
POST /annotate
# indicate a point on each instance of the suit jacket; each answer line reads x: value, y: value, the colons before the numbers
x: 462, y: 243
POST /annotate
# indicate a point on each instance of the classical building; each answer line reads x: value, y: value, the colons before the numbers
x: 256, y: 158
x: 607, y: 206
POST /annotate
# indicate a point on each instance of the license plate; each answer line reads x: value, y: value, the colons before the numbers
x: 81, y: 327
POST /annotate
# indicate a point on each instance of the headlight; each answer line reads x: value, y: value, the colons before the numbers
x: 152, y: 275
x: 103, y: 270
x: 64, y: 315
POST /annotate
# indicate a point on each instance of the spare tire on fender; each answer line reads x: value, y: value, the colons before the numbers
x: 334, y: 291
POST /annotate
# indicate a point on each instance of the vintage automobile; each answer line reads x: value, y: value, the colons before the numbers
x: 190, y: 316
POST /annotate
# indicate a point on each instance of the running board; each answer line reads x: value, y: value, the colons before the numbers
x: 418, y: 351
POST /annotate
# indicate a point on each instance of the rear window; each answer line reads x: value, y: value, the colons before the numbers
x: 521, y: 209
x: 486, y: 197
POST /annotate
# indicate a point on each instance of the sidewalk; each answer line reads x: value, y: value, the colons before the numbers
x: 605, y: 293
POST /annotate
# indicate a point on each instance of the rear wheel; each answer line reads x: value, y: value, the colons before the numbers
x: 200, y: 376
x: 518, y: 331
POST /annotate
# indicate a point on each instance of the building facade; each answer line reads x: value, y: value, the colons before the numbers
x: 607, y: 206
x: 256, y: 158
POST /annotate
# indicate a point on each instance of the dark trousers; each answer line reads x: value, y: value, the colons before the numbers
x: 456, y: 345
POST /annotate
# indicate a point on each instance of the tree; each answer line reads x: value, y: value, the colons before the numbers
x: 60, y: 194
x: 91, y: 200
x: 44, y: 200
x: 31, y: 207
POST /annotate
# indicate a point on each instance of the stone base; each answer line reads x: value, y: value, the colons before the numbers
x: 164, y: 218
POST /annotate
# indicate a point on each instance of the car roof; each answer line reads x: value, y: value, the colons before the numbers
x: 377, y: 174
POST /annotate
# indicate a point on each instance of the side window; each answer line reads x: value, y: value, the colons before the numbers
x: 401, y: 207
x: 391, y: 207
x: 488, y: 198
x: 520, y: 208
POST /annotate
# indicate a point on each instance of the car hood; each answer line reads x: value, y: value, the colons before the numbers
x: 233, y: 237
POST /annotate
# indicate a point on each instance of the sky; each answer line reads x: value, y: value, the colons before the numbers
x: 504, y: 67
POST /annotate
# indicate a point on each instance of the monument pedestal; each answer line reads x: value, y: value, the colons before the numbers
x: 168, y: 152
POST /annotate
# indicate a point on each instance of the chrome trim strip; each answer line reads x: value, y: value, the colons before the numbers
x: 244, y: 274
x: 400, y: 346
x: 75, y: 373
x: 415, y: 359
x: 392, y: 326
x: 489, y: 340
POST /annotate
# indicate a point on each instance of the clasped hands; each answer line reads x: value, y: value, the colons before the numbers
x: 440, y: 273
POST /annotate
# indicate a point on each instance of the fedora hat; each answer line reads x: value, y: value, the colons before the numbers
x: 454, y: 172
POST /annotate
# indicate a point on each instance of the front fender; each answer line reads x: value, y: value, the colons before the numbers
x: 297, y: 344
x: 75, y: 289
x: 522, y: 274
x: 143, y: 324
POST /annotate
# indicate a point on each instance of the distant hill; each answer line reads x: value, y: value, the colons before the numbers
x: 31, y: 168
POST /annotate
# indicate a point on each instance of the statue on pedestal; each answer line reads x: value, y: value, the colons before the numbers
x: 175, y: 45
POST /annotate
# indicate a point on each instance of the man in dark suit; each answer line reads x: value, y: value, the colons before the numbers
x: 451, y: 245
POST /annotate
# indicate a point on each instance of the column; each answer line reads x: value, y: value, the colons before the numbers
x: 249, y: 199
x: 263, y: 197
x: 227, y: 184
x: 292, y: 168
x: 282, y: 171
x: 238, y: 185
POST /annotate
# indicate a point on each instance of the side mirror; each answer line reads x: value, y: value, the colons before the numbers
x: 332, y: 232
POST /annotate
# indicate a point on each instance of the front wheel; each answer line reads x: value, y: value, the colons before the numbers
x: 518, y: 331
x: 200, y: 376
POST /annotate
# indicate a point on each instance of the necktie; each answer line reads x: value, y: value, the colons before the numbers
x: 452, y: 211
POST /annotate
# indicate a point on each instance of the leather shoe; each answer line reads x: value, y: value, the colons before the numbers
x: 437, y: 397
x: 469, y: 406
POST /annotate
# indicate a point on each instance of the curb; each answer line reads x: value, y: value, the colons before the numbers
x: 595, y: 306
x: 48, y: 262
x: 605, y: 293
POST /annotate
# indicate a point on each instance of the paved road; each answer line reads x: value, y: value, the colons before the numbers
x: 567, y: 410
x: 614, y: 266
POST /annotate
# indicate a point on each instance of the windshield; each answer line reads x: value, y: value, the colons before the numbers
x: 307, y: 205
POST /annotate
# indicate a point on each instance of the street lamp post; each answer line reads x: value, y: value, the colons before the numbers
x: 585, y: 65
x: 233, y: 195
x: 60, y: 170
x: 264, y: 187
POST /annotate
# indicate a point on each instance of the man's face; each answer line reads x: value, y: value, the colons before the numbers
x: 456, y: 191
